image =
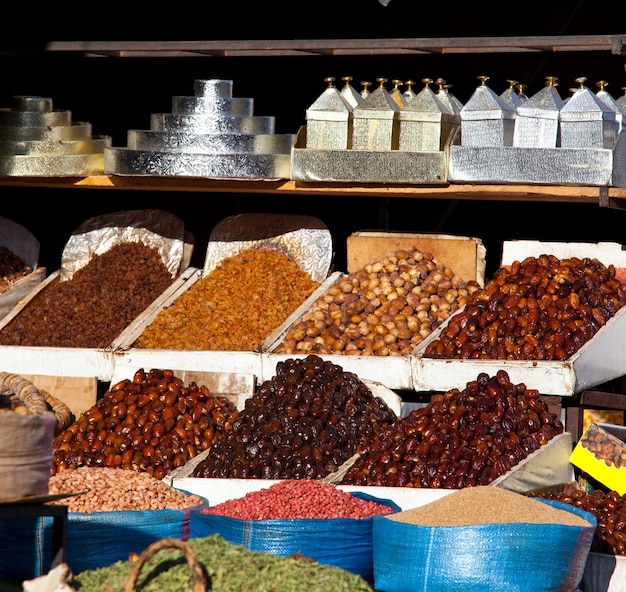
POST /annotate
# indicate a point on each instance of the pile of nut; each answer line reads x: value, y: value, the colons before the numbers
x: 105, y: 489
x: 152, y: 423
x: 305, y: 422
x: 385, y: 309
x: 12, y: 268
x: 541, y: 308
x: 460, y: 439
x: 91, y: 309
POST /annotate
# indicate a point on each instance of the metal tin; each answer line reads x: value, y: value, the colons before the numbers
x: 586, y: 122
x: 211, y: 134
x: 329, y: 121
x: 611, y: 105
x: 537, y: 121
x: 36, y: 140
x: 486, y: 120
x: 375, y: 121
x: 424, y: 123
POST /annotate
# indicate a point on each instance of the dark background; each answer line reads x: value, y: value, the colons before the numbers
x: 118, y: 94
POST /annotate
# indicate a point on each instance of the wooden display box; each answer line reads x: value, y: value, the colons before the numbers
x: 599, y: 360
x: 464, y: 255
x: 601, y: 454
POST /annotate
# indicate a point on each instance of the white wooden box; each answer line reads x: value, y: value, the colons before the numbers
x: 601, y: 359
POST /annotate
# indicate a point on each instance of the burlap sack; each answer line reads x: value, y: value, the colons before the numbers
x: 25, y: 454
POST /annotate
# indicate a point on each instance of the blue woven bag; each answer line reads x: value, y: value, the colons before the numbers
x: 342, y: 542
x: 481, y: 558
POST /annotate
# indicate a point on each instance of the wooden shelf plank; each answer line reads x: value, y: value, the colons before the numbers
x: 603, y: 196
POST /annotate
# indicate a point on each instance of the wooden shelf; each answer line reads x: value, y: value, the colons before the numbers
x: 614, y: 44
x: 602, y: 196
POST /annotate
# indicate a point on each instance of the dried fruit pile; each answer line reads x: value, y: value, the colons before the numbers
x: 91, y: 309
x: 460, y: 439
x: 609, y: 508
x: 235, y: 307
x: 153, y: 423
x: 305, y: 422
x: 12, y: 268
x: 541, y: 308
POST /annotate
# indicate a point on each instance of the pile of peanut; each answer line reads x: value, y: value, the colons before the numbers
x: 105, y: 489
x: 385, y: 309
x: 298, y: 498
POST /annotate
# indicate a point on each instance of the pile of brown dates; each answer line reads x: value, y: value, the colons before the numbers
x: 152, y: 423
x: 542, y: 308
x: 303, y: 423
x: 460, y: 439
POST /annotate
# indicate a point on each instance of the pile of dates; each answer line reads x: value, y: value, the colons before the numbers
x: 303, y: 423
x: 460, y: 439
x: 609, y: 508
x: 542, y: 308
x: 152, y: 423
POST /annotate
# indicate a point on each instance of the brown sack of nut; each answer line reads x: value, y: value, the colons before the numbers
x: 153, y: 423
x: 385, y: 309
x: 542, y: 308
x: 12, y: 268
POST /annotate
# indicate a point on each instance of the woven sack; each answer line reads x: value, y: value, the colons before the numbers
x: 93, y: 540
x: 25, y: 454
x: 342, y: 542
x: 496, y: 557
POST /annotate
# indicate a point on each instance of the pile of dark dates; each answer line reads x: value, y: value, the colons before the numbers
x: 609, y: 508
x: 303, y: 423
x: 542, y: 308
x: 152, y: 423
x: 460, y: 438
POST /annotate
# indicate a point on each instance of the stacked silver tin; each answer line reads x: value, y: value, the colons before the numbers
x: 37, y: 140
x: 211, y: 134
x: 542, y: 140
x: 376, y: 136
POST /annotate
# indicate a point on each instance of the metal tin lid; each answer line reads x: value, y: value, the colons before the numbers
x: 545, y: 104
x: 485, y: 104
x: 447, y: 99
x: 583, y: 105
x: 330, y: 105
x: 378, y: 104
x: 349, y: 93
x: 510, y: 97
x: 607, y: 100
x: 425, y: 106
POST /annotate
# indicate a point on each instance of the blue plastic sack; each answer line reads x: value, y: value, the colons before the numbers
x: 475, y: 558
x: 93, y: 540
x: 342, y: 542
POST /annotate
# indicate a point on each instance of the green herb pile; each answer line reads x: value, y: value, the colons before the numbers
x: 229, y: 568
